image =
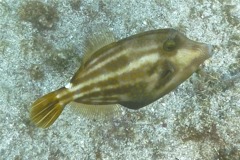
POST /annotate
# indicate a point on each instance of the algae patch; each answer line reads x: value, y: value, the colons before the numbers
x: 41, y: 16
x: 3, y: 46
x: 75, y: 4
x: 35, y: 72
x: 61, y: 60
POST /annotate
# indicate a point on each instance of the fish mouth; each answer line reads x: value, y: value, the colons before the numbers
x: 205, y: 50
x: 209, y: 49
x: 198, y: 53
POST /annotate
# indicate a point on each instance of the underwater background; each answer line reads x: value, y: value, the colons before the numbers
x: 41, y: 47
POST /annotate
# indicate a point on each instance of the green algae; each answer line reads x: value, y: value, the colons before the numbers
x: 41, y: 16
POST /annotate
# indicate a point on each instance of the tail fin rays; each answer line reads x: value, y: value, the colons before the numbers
x: 47, y: 109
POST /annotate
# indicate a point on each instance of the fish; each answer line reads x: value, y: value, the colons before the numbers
x: 132, y: 72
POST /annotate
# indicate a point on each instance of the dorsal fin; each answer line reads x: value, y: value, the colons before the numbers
x: 96, y: 111
x: 97, y: 41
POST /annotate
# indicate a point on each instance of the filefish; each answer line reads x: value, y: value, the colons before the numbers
x: 132, y: 72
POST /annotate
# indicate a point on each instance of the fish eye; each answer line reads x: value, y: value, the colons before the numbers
x: 169, y: 45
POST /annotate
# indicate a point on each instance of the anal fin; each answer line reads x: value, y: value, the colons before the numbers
x: 96, y: 111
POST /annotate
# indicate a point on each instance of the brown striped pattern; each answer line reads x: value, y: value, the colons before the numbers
x: 131, y: 69
x: 118, y: 82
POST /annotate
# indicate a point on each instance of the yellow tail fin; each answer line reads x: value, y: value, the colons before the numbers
x: 47, y: 109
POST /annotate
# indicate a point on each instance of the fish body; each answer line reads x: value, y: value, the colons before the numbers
x: 132, y: 72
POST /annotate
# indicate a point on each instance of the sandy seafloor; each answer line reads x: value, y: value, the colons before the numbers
x: 200, y: 120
